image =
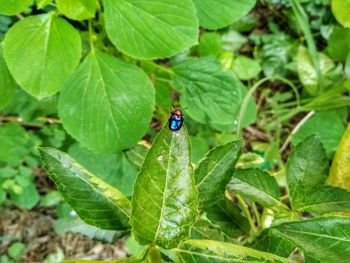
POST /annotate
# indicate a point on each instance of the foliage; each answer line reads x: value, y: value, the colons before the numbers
x: 86, y: 89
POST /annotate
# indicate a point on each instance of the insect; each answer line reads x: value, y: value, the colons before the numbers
x: 176, y: 120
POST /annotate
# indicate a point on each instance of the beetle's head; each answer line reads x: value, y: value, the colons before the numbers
x: 177, y: 113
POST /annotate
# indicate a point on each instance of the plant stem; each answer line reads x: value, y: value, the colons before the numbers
x: 302, y: 19
x: 250, y: 92
x: 92, y: 48
x: 159, y: 67
x: 256, y: 213
x: 295, y: 130
x: 247, y: 213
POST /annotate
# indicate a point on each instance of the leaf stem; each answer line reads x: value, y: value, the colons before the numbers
x: 246, y: 212
x: 92, y: 48
x: 159, y: 67
x: 256, y: 213
x: 250, y: 92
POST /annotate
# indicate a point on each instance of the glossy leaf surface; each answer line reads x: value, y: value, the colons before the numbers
x: 7, y: 83
x: 164, y: 204
x: 77, y: 9
x: 105, y: 109
x: 96, y: 202
x: 202, y: 80
x: 215, y: 14
x: 256, y: 185
x: 326, y: 238
x: 215, y: 171
x: 50, y: 47
x: 193, y: 251
x: 151, y: 29
x: 13, y: 7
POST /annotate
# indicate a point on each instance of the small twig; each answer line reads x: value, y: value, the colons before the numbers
x: 257, y: 133
x: 20, y: 16
x: 295, y: 130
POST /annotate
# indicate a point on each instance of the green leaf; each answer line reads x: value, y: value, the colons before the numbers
x: 219, y: 252
x: 340, y: 10
x: 215, y: 14
x: 77, y: 9
x: 114, y: 169
x: 13, y: 140
x: 136, y: 155
x: 13, y: 7
x: 326, y: 238
x: 246, y: 68
x: 52, y: 198
x: 306, y: 71
x: 256, y: 185
x: 210, y: 44
x: 7, y: 83
x: 338, y: 43
x: 319, y: 124
x: 270, y: 241
x: 76, y: 225
x: 307, y: 167
x: 16, y: 250
x: 28, y: 197
x: 202, y: 80
x: 164, y: 204
x: 96, y: 202
x: 227, y: 216
x: 151, y: 29
x: 200, y: 147
x: 340, y: 170
x: 41, y: 4
x: 203, y: 229
x: 325, y: 199
x: 215, y: 171
x: 103, y: 107
x: 46, y: 44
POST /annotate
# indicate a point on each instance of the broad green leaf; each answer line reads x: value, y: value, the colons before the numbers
x: 114, y: 169
x: 202, y: 80
x: 338, y: 43
x: 12, y: 7
x: 47, y: 45
x: 325, y: 238
x: 306, y: 71
x: 96, y: 202
x: 13, y: 140
x: 340, y: 170
x: 227, y: 216
x: 270, y: 241
x: 76, y: 225
x: 324, y: 199
x: 16, y: 250
x: 200, y: 147
x: 215, y: 171
x: 320, y: 124
x: 203, y: 229
x: 215, y: 14
x: 210, y: 44
x: 103, y: 107
x: 246, y: 68
x: 307, y: 167
x: 256, y: 185
x: 164, y: 204
x: 151, y: 29
x: 7, y: 83
x: 340, y: 10
x: 193, y: 251
x: 77, y: 9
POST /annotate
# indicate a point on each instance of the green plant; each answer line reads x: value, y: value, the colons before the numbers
x: 172, y: 203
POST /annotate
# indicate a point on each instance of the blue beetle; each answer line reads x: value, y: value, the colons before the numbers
x: 176, y: 120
